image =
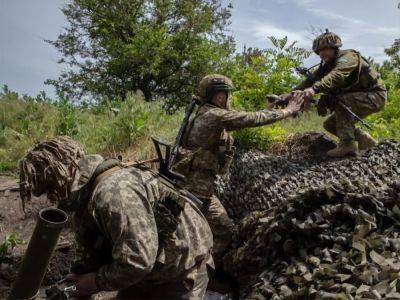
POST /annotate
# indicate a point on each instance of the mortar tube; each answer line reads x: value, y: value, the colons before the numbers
x: 37, y: 256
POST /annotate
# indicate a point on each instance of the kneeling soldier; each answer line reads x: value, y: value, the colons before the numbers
x: 347, y: 79
x: 207, y: 149
x: 135, y: 232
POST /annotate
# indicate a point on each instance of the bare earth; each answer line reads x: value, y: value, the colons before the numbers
x: 14, y: 220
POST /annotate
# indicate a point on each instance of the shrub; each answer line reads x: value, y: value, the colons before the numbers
x: 386, y: 124
x: 257, y: 73
x: 10, y: 242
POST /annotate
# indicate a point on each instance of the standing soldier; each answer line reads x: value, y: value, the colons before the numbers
x: 348, y: 80
x: 135, y: 232
x: 207, y: 149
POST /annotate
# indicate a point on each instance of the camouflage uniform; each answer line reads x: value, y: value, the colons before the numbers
x: 207, y: 151
x: 351, y: 80
x: 118, y: 235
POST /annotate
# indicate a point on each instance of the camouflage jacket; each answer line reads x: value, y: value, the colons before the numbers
x: 349, y: 72
x: 207, y: 148
x: 118, y: 235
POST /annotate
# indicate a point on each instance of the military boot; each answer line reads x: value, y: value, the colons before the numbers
x: 365, y: 140
x: 344, y: 149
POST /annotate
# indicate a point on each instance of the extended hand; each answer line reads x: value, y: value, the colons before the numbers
x: 295, y: 103
x: 85, y: 284
x: 309, y: 93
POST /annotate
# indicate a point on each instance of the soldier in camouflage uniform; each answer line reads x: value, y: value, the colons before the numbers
x: 346, y: 77
x: 207, y: 149
x: 136, y: 233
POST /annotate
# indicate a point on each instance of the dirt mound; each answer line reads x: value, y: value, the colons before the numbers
x: 259, y: 181
x: 304, y: 145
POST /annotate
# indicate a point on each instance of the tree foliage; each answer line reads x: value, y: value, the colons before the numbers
x: 161, y: 47
x: 257, y: 73
x: 394, y: 54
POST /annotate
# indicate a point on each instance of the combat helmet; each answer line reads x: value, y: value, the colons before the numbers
x: 213, y: 83
x: 326, y: 40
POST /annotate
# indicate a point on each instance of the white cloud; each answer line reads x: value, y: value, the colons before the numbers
x: 335, y: 17
x: 263, y: 30
x: 298, y: 2
x: 391, y: 31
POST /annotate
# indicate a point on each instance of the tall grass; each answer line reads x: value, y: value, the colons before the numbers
x: 117, y: 128
x: 124, y: 128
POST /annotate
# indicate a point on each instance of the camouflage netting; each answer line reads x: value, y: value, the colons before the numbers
x: 326, y: 229
x: 258, y: 181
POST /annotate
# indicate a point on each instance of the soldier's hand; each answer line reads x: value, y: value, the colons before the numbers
x: 309, y: 93
x: 286, y: 96
x: 295, y: 103
x: 297, y: 92
x: 85, y: 284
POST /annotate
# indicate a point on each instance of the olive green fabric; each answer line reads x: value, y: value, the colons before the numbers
x: 351, y: 80
x: 349, y: 72
x: 48, y: 168
x: 341, y: 123
x: 221, y: 226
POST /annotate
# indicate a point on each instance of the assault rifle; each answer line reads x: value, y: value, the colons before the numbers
x: 168, y: 158
x: 179, y: 138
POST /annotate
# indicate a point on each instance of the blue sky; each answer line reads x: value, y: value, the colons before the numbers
x: 366, y: 25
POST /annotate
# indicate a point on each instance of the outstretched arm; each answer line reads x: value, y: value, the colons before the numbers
x: 232, y: 120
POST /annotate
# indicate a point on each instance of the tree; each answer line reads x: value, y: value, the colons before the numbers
x: 394, y: 53
x: 161, y: 47
x: 258, y: 72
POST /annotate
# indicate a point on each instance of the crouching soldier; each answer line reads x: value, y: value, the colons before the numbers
x: 207, y: 149
x: 346, y: 78
x: 135, y: 232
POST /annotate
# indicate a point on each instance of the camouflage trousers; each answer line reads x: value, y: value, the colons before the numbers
x: 341, y: 123
x: 192, y: 286
x: 221, y: 226
x: 202, y: 185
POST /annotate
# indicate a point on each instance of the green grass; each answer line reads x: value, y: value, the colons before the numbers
x: 10, y: 242
x: 306, y: 121
x: 111, y: 129
x: 124, y: 128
